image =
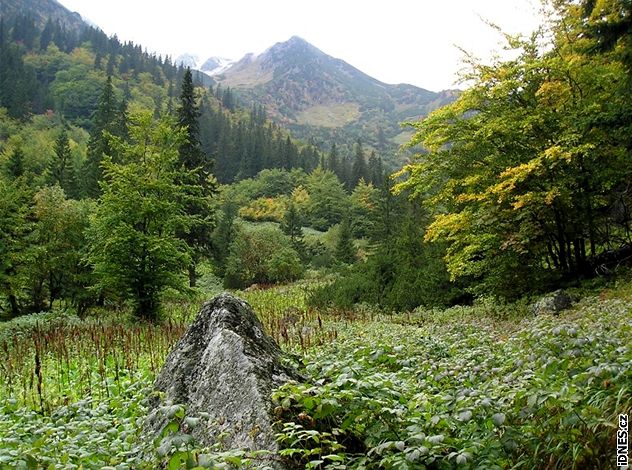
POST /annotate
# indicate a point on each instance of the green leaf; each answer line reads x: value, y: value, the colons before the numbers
x: 177, y: 460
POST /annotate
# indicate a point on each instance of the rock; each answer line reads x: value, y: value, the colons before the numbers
x: 226, y: 366
x: 552, y: 303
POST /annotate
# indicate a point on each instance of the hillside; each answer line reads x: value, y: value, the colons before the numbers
x: 41, y: 11
x: 313, y: 93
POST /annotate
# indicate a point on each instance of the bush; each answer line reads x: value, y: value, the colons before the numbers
x: 389, y: 282
x: 261, y: 254
x: 285, y: 265
x: 265, y: 209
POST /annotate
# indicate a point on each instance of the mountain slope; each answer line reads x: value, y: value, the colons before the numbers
x: 309, y: 90
x: 41, y: 11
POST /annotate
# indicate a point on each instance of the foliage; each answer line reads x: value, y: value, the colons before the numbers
x: 57, y: 247
x: 264, y: 209
x: 364, y: 200
x: 133, y: 243
x: 525, y: 180
x: 461, y: 391
x: 261, y: 255
x: 383, y: 391
x: 400, y: 271
x: 327, y: 202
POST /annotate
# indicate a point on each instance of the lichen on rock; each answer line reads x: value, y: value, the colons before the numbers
x: 552, y: 303
x: 226, y: 368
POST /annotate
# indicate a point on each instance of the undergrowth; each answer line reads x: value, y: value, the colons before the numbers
x: 471, y: 393
x: 486, y: 386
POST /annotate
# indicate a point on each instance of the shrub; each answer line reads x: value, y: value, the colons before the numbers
x: 260, y: 255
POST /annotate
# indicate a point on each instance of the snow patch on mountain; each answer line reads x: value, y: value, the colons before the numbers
x: 216, y: 65
x: 188, y: 60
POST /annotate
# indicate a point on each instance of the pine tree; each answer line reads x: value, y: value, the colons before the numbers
x: 292, y: 226
x: 358, y: 169
x: 192, y: 158
x: 47, y: 35
x: 71, y: 186
x: 345, y: 250
x: 381, y: 139
x: 59, y: 164
x: 376, y: 171
x: 224, y: 235
x: 15, y: 163
x: 333, y: 164
x: 108, y: 119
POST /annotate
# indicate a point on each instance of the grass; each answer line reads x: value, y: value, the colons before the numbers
x: 330, y: 115
x: 487, y: 386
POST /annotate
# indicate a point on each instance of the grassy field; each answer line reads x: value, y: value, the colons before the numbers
x: 330, y: 115
x: 486, y: 386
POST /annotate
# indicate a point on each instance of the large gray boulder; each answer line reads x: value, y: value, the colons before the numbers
x: 552, y: 303
x: 226, y: 366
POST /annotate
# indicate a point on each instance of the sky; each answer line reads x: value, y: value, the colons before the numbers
x: 395, y: 41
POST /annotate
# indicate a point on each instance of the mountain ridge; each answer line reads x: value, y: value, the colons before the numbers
x: 43, y: 10
x: 312, y: 92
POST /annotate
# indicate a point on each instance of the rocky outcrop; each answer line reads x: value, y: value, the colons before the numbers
x: 552, y: 303
x: 224, y: 368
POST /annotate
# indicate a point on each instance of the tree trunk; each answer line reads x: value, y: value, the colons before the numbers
x: 561, y: 240
x: 15, y: 307
x: 192, y: 275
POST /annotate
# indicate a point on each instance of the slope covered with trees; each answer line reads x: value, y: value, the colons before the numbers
x: 70, y: 105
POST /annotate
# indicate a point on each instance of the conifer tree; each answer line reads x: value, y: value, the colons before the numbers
x: 47, y: 35
x: 59, y: 164
x: 192, y: 158
x: 358, y: 169
x: 345, y: 250
x: 333, y: 164
x: 292, y: 226
x: 109, y: 118
x: 15, y: 163
x: 376, y: 172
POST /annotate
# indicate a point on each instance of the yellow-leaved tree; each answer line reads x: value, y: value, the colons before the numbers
x: 527, y: 175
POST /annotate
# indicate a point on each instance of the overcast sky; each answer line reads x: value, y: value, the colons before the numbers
x: 396, y: 41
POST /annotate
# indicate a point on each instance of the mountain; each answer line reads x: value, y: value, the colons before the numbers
x: 41, y: 11
x: 188, y: 60
x: 216, y: 65
x: 315, y: 94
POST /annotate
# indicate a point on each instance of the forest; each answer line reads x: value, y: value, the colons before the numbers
x: 132, y: 189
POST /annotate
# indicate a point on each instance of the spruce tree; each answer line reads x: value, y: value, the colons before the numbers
x: 195, y: 162
x: 345, y: 250
x: 109, y: 118
x: 358, y: 169
x: 292, y: 226
x: 333, y: 164
x: 15, y: 163
x: 47, y: 35
x: 59, y: 164
x: 376, y: 171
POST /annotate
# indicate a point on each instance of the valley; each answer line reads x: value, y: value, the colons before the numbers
x: 443, y: 278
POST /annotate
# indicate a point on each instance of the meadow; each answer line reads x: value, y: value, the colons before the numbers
x: 485, y: 386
